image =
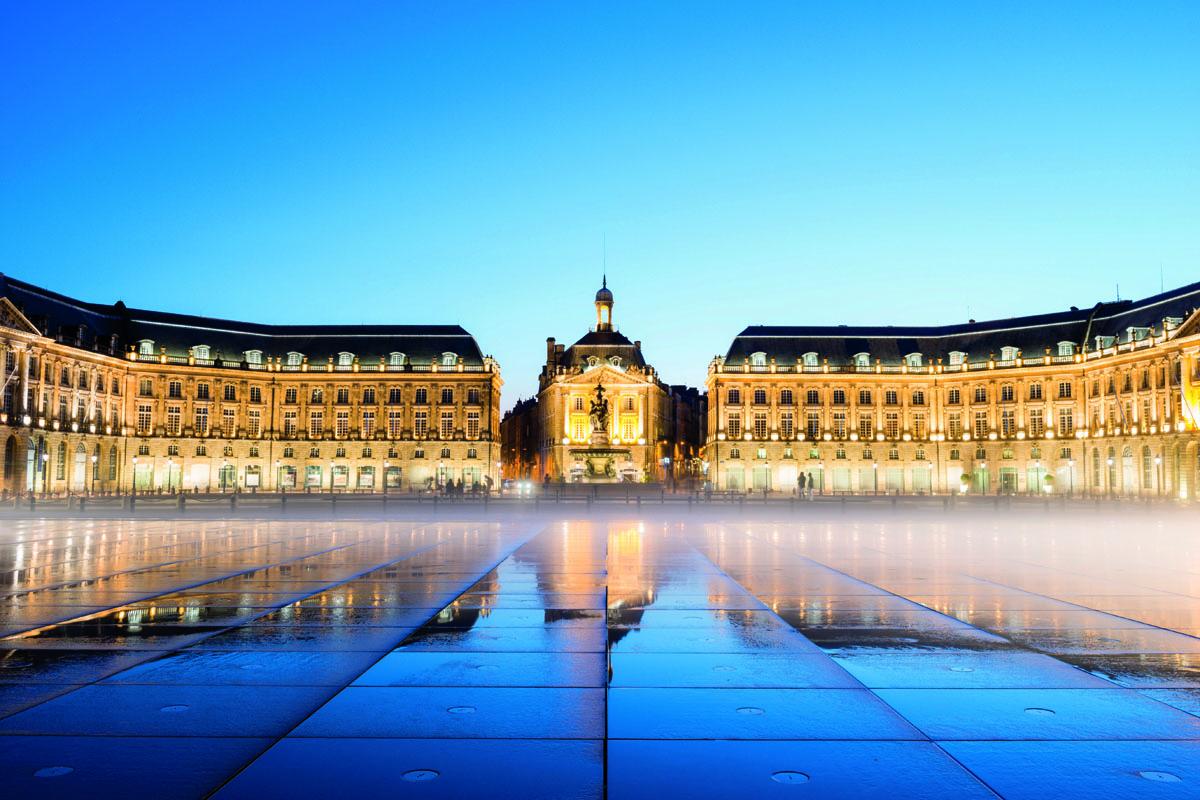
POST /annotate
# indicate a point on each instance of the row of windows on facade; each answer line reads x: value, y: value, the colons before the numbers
x: 891, y: 397
x: 291, y: 395
x: 204, y: 352
x: 956, y: 358
x: 201, y: 451
x: 316, y: 423
x: 891, y: 428
x: 893, y: 454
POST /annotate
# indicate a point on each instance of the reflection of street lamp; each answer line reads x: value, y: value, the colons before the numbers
x: 1037, y: 470
x: 170, y: 476
x: 95, y: 458
x: 133, y: 482
x: 331, y: 465
x: 1071, y: 473
x: 875, y: 474
x: 1158, y: 474
x: 45, y: 472
x: 386, y: 466
x: 278, y: 475
x: 1110, y: 475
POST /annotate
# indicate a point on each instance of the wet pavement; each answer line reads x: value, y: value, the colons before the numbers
x: 1015, y: 656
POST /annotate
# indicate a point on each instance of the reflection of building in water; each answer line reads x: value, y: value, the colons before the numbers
x: 104, y: 397
x: 1100, y: 400
x: 630, y: 589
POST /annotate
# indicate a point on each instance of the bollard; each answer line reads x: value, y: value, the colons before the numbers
x: 233, y: 502
x: 332, y: 504
x: 181, y: 502
x: 282, y: 503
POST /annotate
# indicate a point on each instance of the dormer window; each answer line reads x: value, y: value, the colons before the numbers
x: 913, y: 359
x: 146, y: 347
x: 1103, y: 342
x: 809, y: 359
x: 615, y: 361
x: 1008, y: 353
x: 201, y: 351
x: 758, y: 359
x: 294, y: 359
x: 1066, y: 348
x: 345, y: 359
x: 1137, y: 334
x: 449, y: 359
x: 862, y: 360
x: 396, y: 359
x: 593, y: 362
x: 253, y: 356
x: 957, y: 358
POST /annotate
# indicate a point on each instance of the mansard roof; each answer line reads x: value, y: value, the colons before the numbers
x: 115, y: 328
x: 604, y: 344
x: 978, y: 340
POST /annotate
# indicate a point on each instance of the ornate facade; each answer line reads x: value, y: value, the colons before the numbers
x: 602, y: 413
x: 104, y: 398
x: 1099, y: 401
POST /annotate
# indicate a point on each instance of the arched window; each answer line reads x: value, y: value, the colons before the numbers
x: 862, y: 360
x: 913, y: 359
x: 758, y: 359
x: 615, y: 361
x: 1066, y: 348
x: 345, y: 359
x: 201, y: 351
x: 810, y: 359
x: 449, y: 359
x: 254, y: 356
x: 294, y: 359
x: 1008, y: 353
x: 396, y: 359
x: 957, y: 358
x: 146, y: 347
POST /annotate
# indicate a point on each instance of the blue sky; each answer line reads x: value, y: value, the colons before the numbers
x: 747, y: 163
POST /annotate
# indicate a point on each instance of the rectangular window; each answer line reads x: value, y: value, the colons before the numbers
x: 891, y: 422
x: 143, y: 419
x: 447, y: 396
x: 316, y: 423
x: 146, y: 387
x: 394, y: 396
x: 890, y: 397
x: 1064, y: 390
x: 760, y: 425
x: 1035, y: 391
x: 786, y: 425
x: 919, y: 429
x: 289, y: 395
x: 368, y: 424
x: 839, y: 422
x: 473, y: 397
x: 420, y: 424
x: 1006, y: 393
x: 1066, y: 423
x: 395, y: 423
x: 733, y: 426
x: 866, y: 426
x: 981, y: 425
x: 289, y: 423
x: 812, y: 425
x: 864, y: 397
x: 954, y: 425
x: 175, y: 389
x: 980, y: 394
x: 202, y: 391
x: 953, y: 397
x: 230, y: 393
x: 341, y: 422
x: 760, y: 397
x: 472, y: 424
x: 812, y: 397
x: 446, y: 428
x: 734, y: 397
x: 839, y: 397
x: 201, y: 421
x: 255, y: 394
x: 228, y: 422
x: 254, y: 424
x: 1037, y: 423
x: 343, y: 396
x: 1008, y: 422
x: 421, y: 396
x: 368, y: 396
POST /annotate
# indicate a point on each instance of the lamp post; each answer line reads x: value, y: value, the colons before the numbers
x: 1109, y: 475
x: 331, y: 466
x: 386, y: 465
x: 170, y: 476
x: 1158, y: 474
x: 1037, y: 470
x: 875, y: 475
x: 45, y: 473
x: 1071, y: 476
x: 95, y: 458
x: 133, y: 479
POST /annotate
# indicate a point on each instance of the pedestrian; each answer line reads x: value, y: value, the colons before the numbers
x: 810, y: 486
x: 800, y: 485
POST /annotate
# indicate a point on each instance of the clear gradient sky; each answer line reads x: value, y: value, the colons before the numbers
x: 748, y: 163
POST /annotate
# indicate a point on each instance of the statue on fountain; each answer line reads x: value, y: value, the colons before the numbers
x: 599, y: 415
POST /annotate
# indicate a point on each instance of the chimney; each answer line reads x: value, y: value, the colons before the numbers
x: 637, y: 345
x: 549, y: 349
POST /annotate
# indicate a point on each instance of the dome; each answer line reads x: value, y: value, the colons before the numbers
x: 604, y: 295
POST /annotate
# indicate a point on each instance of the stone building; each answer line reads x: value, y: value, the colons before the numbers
x: 1102, y: 400
x: 602, y: 413
x: 105, y: 398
